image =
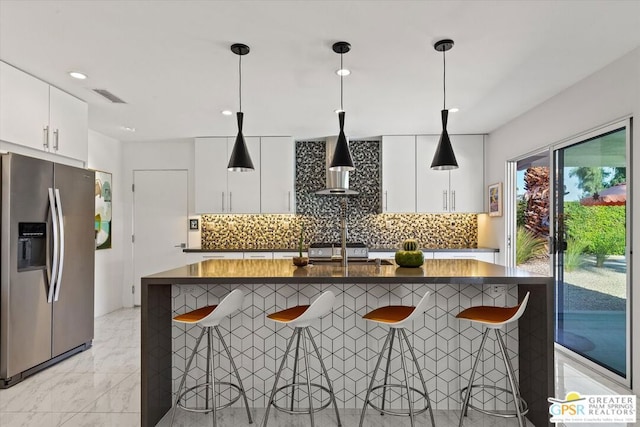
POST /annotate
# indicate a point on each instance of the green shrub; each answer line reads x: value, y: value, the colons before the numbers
x: 574, y: 255
x: 601, y: 228
x: 528, y: 246
x: 520, y: 210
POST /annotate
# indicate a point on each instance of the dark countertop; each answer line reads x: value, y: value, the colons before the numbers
x: 370, y: 250
x: 283, y: 271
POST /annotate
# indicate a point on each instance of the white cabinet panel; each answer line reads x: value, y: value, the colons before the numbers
x: 398, y: 174
x: 36, y: 115
x: 68, y: 123
x: 382, y: 255
x: 222, y: 255
x: 432, y: 186
x: 258, y: 255
x: 480, y: 256
x: 457, y: 191
x: 244, y: 187
x: 24, y: 108
x: 466, y: 183
x: 211, y: 175
x: 287, y: 255
x: 277, y: 172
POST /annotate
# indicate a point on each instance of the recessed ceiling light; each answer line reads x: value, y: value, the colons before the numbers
x: 129, y: 128
x: 78, y: 75
x: 454, y: 110
x: 343, y: 72
x: 226, y: 112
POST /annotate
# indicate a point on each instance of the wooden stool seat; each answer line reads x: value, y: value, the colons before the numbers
x: 196, y: 315
x: 288, y: 314
x: 390, y: 313
x: 488, y: 314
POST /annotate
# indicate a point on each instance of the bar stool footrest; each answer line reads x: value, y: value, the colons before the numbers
x: 503, y: 414
x: 303, y: 410
x: 209, y: 386
x: 392, y: 412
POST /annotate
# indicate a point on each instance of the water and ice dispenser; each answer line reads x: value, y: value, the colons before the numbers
x: 32, y: 245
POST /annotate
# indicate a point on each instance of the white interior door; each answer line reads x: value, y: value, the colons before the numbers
x: 160, y: 205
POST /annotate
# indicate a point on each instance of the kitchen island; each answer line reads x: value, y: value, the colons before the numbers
x: 445, y: 345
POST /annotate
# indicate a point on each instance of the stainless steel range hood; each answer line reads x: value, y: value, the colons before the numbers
x: 337, y: 183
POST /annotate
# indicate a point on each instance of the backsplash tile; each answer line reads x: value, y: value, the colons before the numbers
x: 321, y: 214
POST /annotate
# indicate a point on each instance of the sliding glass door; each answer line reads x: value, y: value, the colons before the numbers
x: 590, y: 248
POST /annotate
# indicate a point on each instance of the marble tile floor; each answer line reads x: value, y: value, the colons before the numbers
x: 101, y: 387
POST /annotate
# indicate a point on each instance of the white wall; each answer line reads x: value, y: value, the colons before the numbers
x: 105, y: 154
x: 155, y: 155
x: 609, y: 94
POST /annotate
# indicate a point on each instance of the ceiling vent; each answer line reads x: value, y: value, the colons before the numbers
x: 111, y: 97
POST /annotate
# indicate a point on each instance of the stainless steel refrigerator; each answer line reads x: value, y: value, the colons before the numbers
x: 47, y: 243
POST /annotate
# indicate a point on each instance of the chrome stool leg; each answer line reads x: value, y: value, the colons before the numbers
x: 406, y: 382
x: 465, y: 403
x: 512, y: 380
x: 386, y: 371
x: 208, y: 375
x: 295, y: 369
x: 373, y: 378
x: 306, y: 367
x: 213, y: 381
x: 424, y: 384
x: 184, y: 375
x: 275, y: 384
x: 326, y: 375
x: 235, y: 370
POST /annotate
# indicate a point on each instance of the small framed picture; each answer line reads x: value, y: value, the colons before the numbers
x: 495, y: 199
x: 193, y: 224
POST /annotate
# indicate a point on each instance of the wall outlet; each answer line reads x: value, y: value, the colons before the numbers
x: 497, y: 290
x: 187, y: 289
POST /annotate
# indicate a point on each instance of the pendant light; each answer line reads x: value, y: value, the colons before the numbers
x: 240, y: 160
x: 342, y: 161
x: 444, y: 159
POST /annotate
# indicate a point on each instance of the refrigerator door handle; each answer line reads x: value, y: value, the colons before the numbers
x: 61, y: 263
x: 54, y: 265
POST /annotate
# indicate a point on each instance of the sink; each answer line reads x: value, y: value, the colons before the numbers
x: 357, y: 261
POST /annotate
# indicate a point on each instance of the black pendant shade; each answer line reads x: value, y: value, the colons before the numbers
x: 444, y: 159
x: 240, y: 160
x: 341, y: 161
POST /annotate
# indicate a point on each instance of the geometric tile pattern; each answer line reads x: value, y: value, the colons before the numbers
x: 445, y: 346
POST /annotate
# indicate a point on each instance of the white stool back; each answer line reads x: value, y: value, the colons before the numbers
x: 231, y: 303
x: 318, y: 308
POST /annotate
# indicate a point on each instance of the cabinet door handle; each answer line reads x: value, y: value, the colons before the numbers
x: 453, y: 200
x: 230, y: 205
x: 386, y: 201
x: 45, y: 137
x: 56, y: 137
x: 257, y: 256
x: 223, y: 201
x: 212, y: 256
x: 444, y: 200
x: 289, y: 197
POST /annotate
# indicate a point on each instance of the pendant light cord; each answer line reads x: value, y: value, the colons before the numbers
x: 341, y: 77
x: 444, y: 80
x: 240, y: 79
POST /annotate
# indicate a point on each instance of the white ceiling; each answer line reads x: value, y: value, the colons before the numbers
x: 170, y: 61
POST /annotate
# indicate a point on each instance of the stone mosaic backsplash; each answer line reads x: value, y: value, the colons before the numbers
x: 320, y: 215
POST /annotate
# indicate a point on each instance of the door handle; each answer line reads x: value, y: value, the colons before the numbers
x: 223, y: 201
x: 61, y: 222
x: 56, y: 138
x: 444, y: 200
x: 453, y: 200
x: 54, y: 263
x: 181, y: 245
x: 386, y: 200
x: 45, y: 137
x: 230, y: 205
x: 289, y: 197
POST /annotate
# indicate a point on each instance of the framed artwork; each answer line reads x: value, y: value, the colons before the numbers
x: 193, y: 224
x: 495, y: 199
x: 103, y: 210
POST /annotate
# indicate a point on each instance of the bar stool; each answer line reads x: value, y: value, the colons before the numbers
x: 493, y: 318
x: 397, y: 318
x: 300, y: 318
x: 209, y: 318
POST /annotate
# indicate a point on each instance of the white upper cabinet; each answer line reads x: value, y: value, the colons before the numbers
x: 39, y: 116
x: 277, y: 173
x: 457, y: 191
x: 68, y: 124
x: 399, y: 174
x: 432, y: 187
x: 218, y: 190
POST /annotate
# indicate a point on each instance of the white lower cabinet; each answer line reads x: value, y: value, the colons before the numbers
x: 258, y: 255
x: 480, y: 256
x: 287, y: 255
x: 221, y: 255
